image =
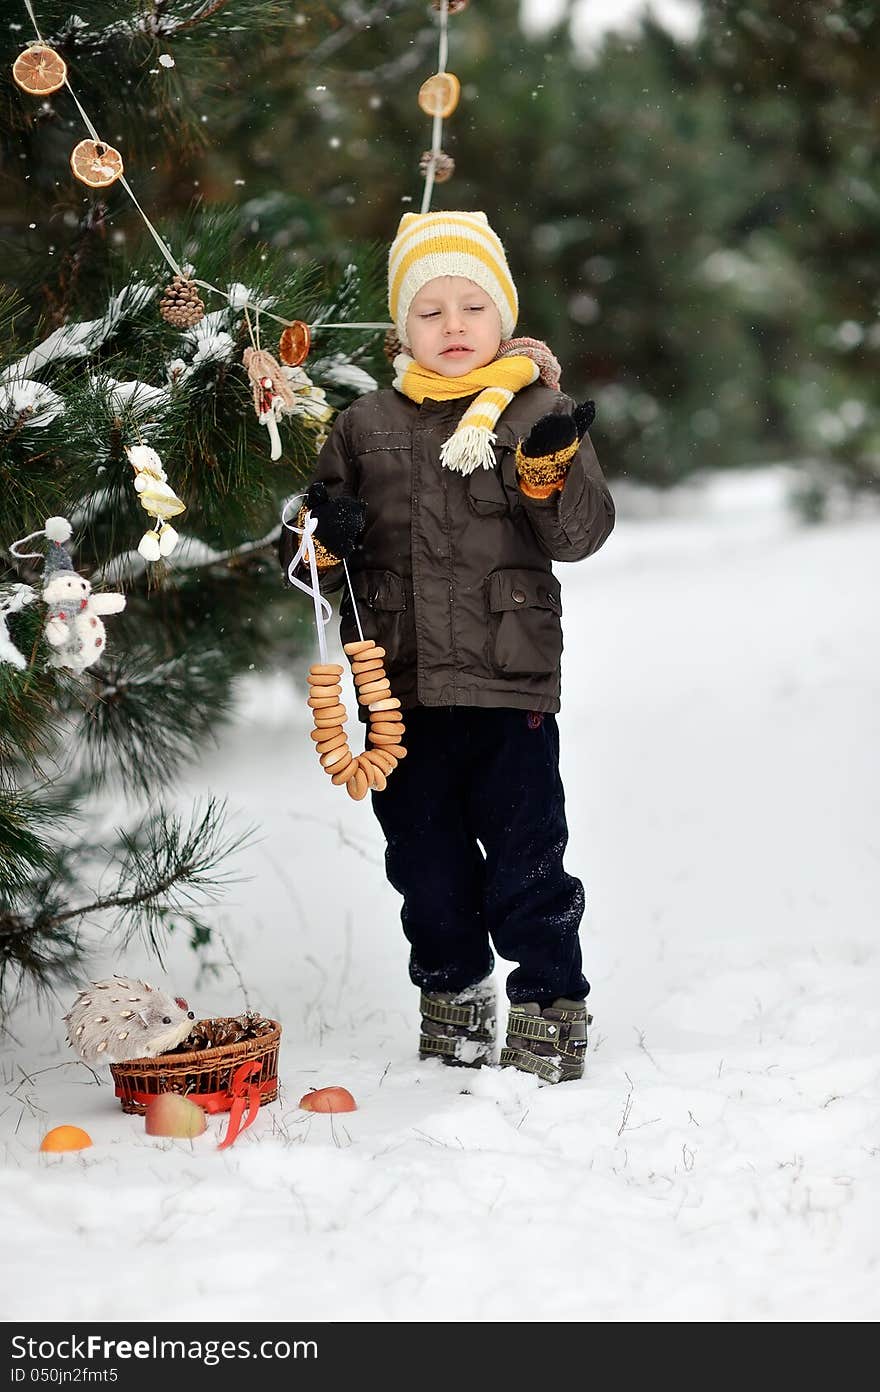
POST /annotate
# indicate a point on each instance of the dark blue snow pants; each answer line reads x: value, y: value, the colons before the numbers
x: 489, y: 775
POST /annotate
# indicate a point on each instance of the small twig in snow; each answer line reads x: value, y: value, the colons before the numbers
x: 627, y: 1106
x: 233, y: 964
x: 644, y: 1048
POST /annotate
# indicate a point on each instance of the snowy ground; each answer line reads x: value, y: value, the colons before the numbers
x: 721, y: 1160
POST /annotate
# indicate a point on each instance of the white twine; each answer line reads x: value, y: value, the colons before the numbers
x: 437, y: 126
x: 306, y: 551
x: 27, y: 555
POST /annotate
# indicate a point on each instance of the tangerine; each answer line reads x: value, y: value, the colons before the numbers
x: 66, y: 1138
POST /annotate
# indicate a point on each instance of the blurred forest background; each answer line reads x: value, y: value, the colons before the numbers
x: 692, y: 222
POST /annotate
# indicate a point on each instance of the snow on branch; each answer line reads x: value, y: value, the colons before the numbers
x: 80, y: 340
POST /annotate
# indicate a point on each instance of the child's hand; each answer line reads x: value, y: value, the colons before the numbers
x: 339, y: 521
x: 556, y: 432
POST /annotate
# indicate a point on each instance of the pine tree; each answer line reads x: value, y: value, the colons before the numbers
x: 90, y: 370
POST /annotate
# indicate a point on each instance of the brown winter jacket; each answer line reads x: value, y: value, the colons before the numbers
x: 453, y: 575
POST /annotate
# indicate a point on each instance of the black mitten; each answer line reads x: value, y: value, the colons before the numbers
x: 556, y: 431
x: 339, y: 521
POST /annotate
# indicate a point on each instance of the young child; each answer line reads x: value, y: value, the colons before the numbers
x: 450, y: 495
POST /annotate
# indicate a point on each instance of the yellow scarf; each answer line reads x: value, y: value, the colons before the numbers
x: 470, y: 444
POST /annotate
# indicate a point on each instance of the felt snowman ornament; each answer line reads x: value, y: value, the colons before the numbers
x: 156, y: 497
x: 74, y: 626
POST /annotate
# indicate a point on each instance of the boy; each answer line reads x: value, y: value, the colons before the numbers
x: 450, y: 495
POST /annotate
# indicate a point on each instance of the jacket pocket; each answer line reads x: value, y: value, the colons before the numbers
x: 486, y: 494
x: 382, y: 606
x: 493, y: 491
x: 525, y: 621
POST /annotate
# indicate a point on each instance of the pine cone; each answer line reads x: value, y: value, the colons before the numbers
x: 444, y: 166
x: 181, y: 305
x: 393, y: 345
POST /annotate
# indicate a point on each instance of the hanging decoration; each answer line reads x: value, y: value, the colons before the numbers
x: 294, y: 344
x: 357, y: 773
x: 443, y: 164
x: 370, y: 769
x: 438, y: 95
x: 39, y: 70
x: 273, y: 396
x: 392, y: 345
x: 181, y: 304
x: 97, y: 161
x: 96, y: 164
x: 74, y: 626
x: 157, y: 498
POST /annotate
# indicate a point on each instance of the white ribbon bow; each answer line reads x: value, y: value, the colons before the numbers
x: 307, y: 551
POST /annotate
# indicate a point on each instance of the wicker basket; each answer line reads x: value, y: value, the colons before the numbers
x: 211, y: 1077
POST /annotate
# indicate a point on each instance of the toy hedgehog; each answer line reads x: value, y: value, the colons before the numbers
x: 120, y: 1019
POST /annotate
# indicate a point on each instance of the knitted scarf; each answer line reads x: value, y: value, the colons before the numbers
x: 518, y: 363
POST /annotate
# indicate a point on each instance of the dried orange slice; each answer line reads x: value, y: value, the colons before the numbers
x: 294, y: 344
x: 438, y: 96
x: 39, y: 70
x: 96, y: 164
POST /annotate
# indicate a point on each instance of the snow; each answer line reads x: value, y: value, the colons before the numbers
x: 593, y: 19
x: 721, y: 1159
x: 80, y: 340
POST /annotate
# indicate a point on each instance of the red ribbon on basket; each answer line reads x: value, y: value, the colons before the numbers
x: 240, y: 1096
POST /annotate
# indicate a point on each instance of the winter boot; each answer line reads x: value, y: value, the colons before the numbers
x: 459, y: 1027
x: 551, y: 1043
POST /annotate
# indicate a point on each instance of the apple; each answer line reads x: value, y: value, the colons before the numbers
x: 328, y: 1099
x: 169, y: 1114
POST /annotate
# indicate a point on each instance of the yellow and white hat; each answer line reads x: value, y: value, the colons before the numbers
x: 440, y: 244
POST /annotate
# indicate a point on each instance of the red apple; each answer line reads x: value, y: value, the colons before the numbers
x: 328, y: 1099
x: 169, y: 1114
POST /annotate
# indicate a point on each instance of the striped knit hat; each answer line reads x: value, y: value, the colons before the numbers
x: 456, y: 244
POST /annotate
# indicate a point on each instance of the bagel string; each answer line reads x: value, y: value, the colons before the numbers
x: 371, y: 768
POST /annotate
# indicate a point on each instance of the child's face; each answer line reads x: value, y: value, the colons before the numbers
x: 452, y: 326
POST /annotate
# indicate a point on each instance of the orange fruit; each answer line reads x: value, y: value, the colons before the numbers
x: 294, y: 344
x: 438, y: 96
x: 328, y: 1099
x: 39, y: 70
x: 96, y: 164
x: 65, y: 1138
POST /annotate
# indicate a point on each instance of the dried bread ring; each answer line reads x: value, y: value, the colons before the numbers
x: 374, y: 689
x: 358, y: 784
x: 377, y: 776
x: 358, y: 773
x: 387, y: 763
x: 333, y: 756
x: 335, y: 738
